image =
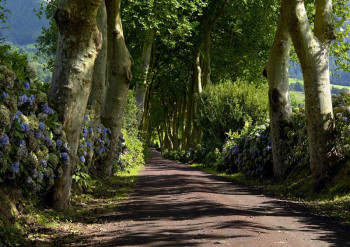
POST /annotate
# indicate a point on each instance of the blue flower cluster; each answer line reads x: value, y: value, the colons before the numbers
x: 94, y: 143
x: 250, y: 153
x: 31, y: 148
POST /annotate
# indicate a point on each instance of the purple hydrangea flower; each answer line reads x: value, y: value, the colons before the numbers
x: 84, y: 153
x: 22, y: 100
x: 104, y: 130
x: 25, y: 128
x: 43, y: 163
x: 37, y: 134
x: 40, y: 176
x: 102, y: 150
x: 59, y: 143
x: 345, y: 119
x: 22, y: 143
x: 82, y: 159
x: 65, y: 157
x: 29, y: 180
x: 91, y: 130
x: 26, y: 85
x: 86, y: 118
x: 15, y: 167
x: 4, y: 140
x: 32, y: 99
x: 42, y: 126
x: 48, y: 141
x: 5, y: 95
x: 88, y: 144
x: 47, y: 110
x: 16, y: 118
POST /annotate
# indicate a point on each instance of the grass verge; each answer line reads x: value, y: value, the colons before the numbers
x: 48, y: 227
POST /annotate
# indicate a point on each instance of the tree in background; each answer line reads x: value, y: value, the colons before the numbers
x: 119, y: 76
x: 279, y: 99
x: 98, y: 88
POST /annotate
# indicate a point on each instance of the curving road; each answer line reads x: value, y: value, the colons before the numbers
x: 176, y: 205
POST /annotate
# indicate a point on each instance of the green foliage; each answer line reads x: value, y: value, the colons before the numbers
x: 3, y: 15
x: 297, y: 86
x: 341, y: 104
x: 132, y: 150
x: 47, y: 40
x: 132, y: 113
x: 341, y: 46
x: 133, y: 155
x: 242, y: 40
x: 229, y: 106
x: 83, y: 180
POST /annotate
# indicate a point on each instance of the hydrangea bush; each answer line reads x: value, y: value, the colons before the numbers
x: 33, y: 147
x: 250, y: 150
x: 32, y: 143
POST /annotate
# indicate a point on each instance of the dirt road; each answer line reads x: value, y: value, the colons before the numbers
x: 176, y: 205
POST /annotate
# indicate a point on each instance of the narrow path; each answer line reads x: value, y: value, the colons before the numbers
x: 176, y: 205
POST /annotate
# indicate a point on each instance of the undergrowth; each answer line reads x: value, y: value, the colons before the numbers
x: 42, y: 226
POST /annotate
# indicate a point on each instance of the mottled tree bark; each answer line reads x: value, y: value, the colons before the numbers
x: 78, y: 43
x: 98, y: 89
x: 141, y: 85
x: 313, y: 50
x: 279, y: 99
x: 118, y: 80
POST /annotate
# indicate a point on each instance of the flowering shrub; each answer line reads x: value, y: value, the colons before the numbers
x: 33, y: 147
x: 32, y: 143
x: 341, y: 104
x: 250, y: 151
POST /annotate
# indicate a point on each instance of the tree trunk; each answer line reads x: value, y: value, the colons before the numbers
x: 161, y: 138
x: 78, y: 43
x: 118, y: 80
x: 279, y: 99
x: 97, y: 94
x: 313, y: 50
x: 141, y: 86
x: 195, y: 88
x: 206, y: 56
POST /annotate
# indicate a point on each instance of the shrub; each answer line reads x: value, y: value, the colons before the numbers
x: 33, y: 146
x: 227, y: 107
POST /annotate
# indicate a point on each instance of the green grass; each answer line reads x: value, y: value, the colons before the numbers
x: 86, y: 208
x: 298, y: 97
x: 340, y: 87
x: 293, y: 80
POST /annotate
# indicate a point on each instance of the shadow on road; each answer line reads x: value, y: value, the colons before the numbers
x: 176, y: 196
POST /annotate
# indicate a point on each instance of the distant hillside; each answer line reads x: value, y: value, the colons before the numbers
x: 337, y: 78
x: 25, y: 25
